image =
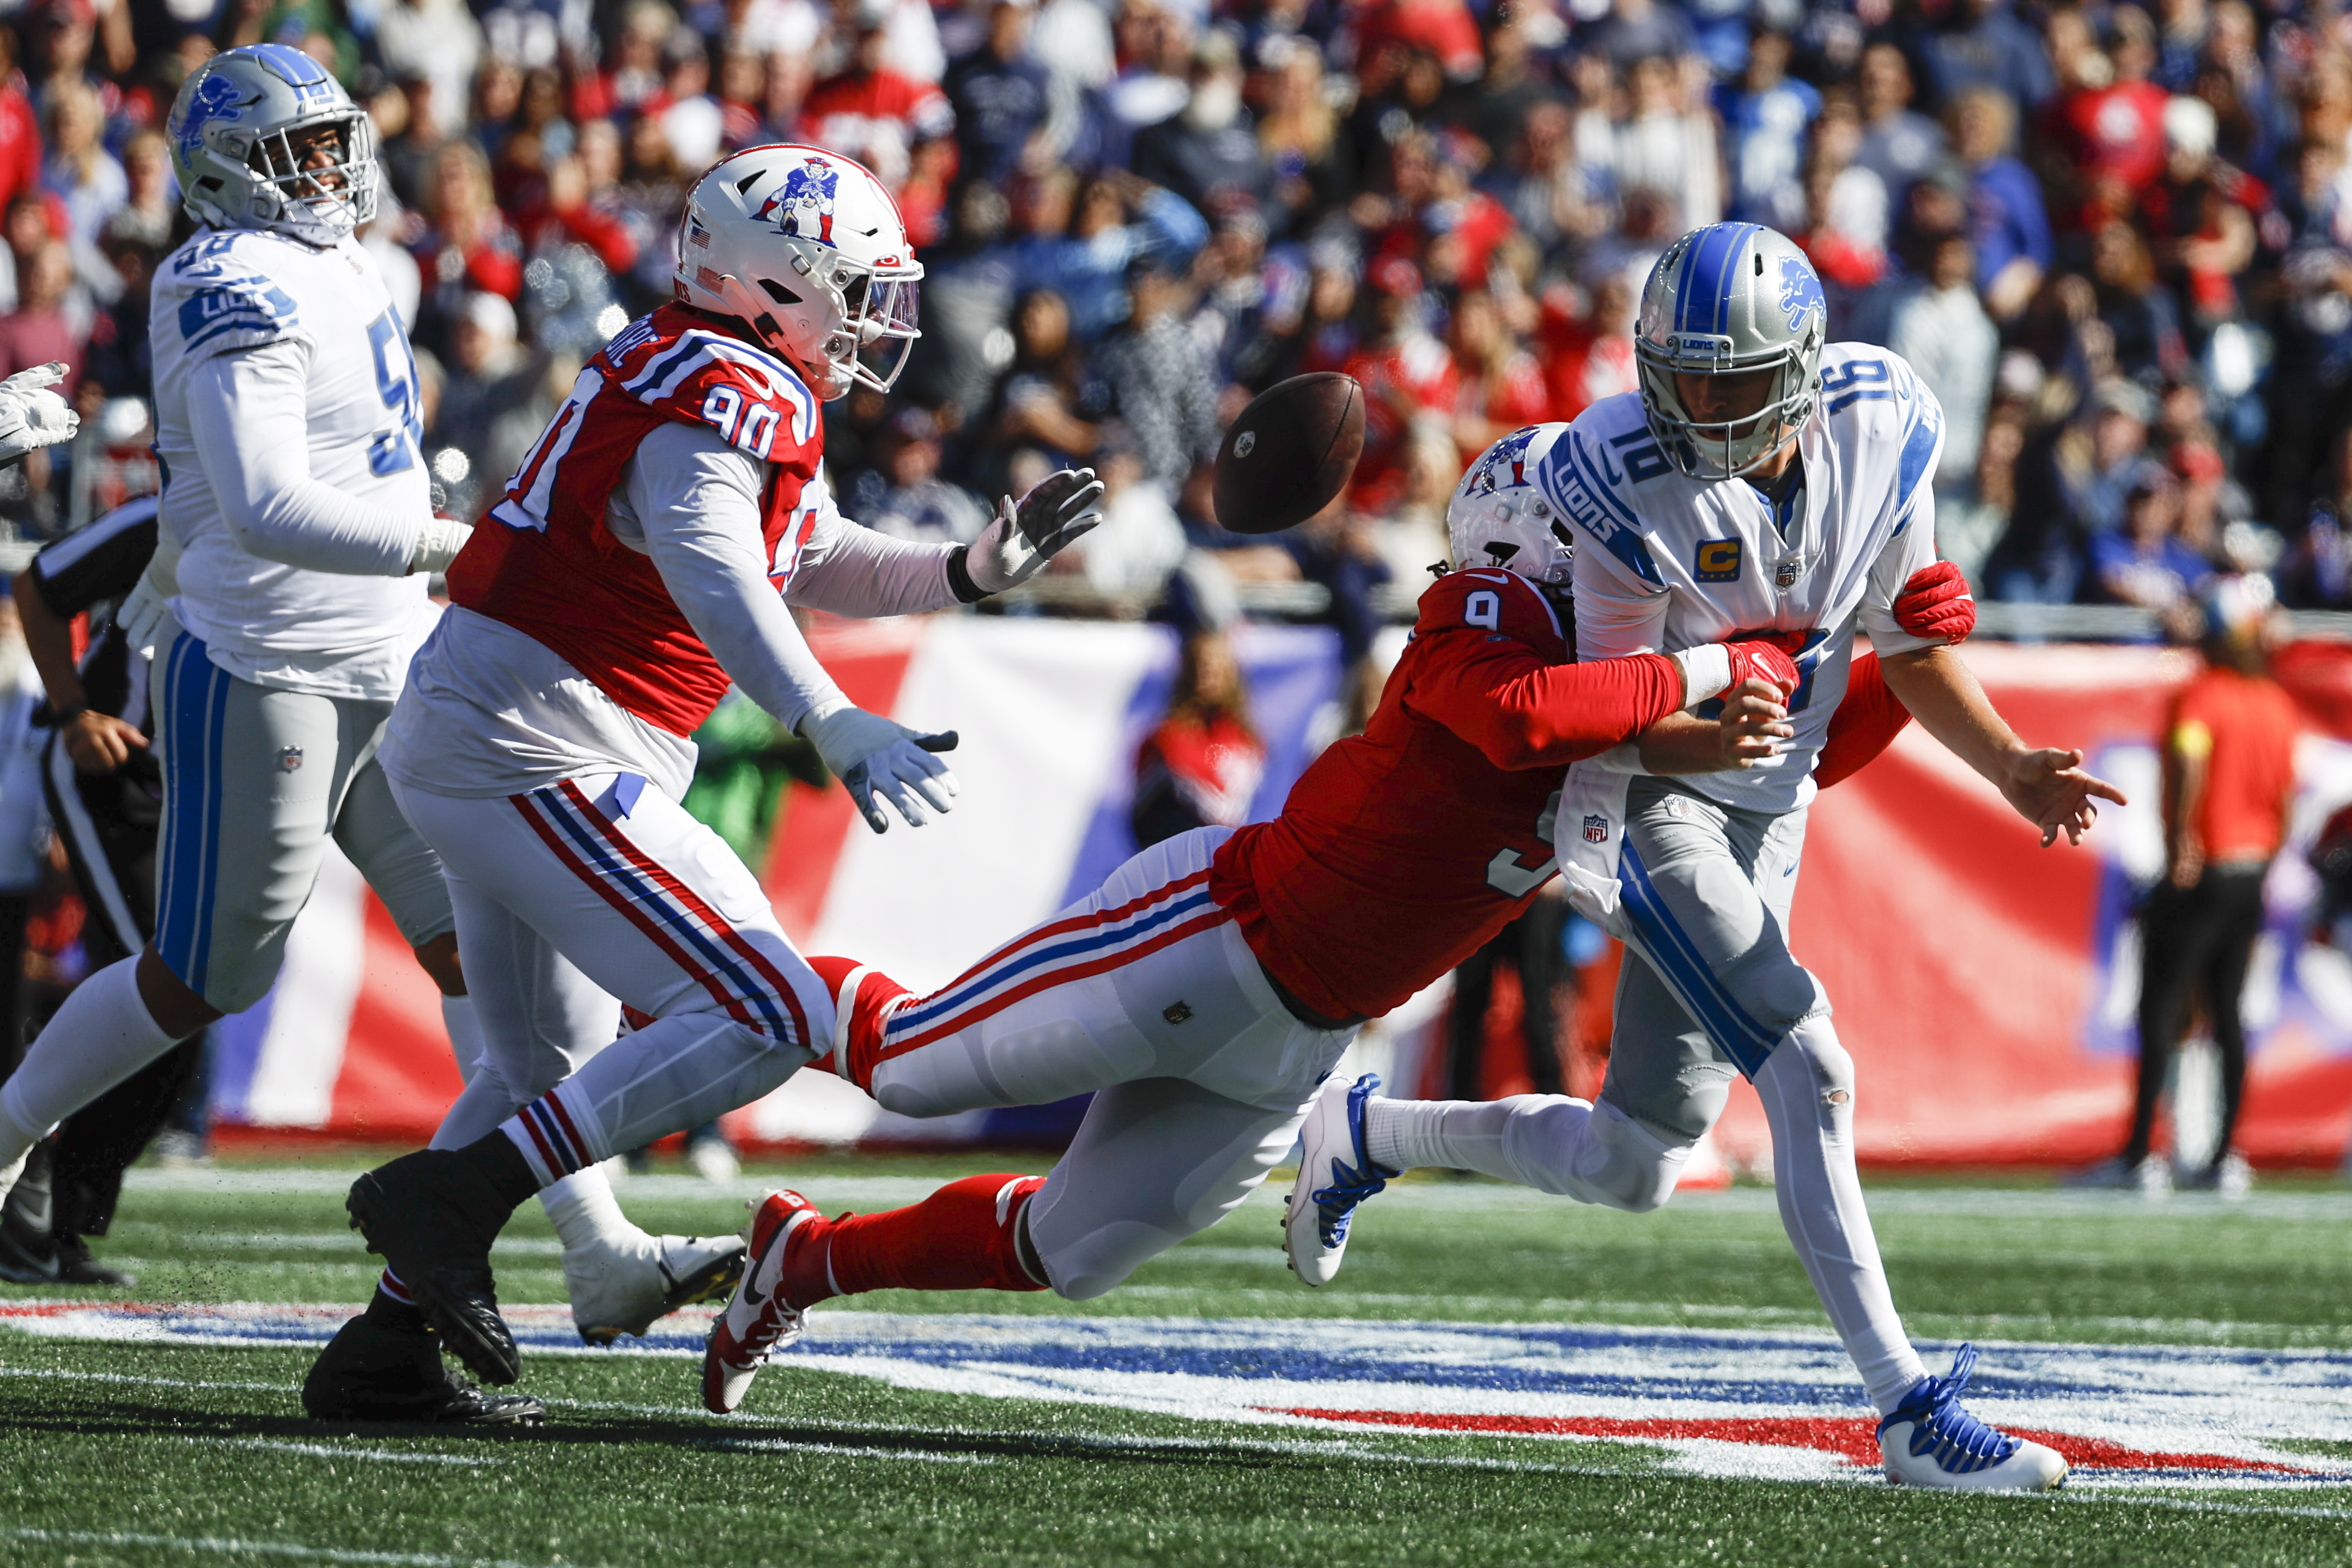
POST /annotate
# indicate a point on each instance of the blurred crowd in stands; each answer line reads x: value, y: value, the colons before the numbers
x: 2116, y: 242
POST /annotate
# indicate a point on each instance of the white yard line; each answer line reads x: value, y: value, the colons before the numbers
x: 330, y: 1451
x: 214, y: 1543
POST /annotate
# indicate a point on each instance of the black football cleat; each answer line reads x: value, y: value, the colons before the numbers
x: 77, y: 1266
x: 372, y: 1372
x: 432, y: 1215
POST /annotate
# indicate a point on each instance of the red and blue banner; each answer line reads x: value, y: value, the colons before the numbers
x: 1985, y: 987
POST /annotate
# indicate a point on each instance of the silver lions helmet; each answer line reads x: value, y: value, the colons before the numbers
x: 1498, y: 516
x: 1727, y: 300
x: 235, y: 130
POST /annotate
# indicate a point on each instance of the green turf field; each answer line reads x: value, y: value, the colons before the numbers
x: 1132, y: 1429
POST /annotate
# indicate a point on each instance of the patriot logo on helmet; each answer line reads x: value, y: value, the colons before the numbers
x: 1499, y: 518
x: 809, y: 189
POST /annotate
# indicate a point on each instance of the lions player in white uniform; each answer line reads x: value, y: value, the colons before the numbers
x: 299, y: 536
x: 1758, y: 483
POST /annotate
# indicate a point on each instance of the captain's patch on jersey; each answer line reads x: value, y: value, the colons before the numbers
x: 1750, y: 1403
x: 1717, y: 561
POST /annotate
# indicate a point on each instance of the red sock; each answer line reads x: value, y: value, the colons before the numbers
x: 862, y: 1045
x: 959, y: 1238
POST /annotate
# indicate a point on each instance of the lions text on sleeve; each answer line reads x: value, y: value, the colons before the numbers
x: 1666, y: 562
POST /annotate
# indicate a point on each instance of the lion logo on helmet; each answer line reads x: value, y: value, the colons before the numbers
x: 807, y: 192
x: 214, y: 99
x: 1801, y: 291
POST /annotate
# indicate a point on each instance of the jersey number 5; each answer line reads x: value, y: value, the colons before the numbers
x: 1508, y: 872
x: 390, y: 451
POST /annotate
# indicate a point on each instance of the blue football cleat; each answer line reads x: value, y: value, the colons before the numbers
x: 1930, y: 1441
x: 1335, y: 1174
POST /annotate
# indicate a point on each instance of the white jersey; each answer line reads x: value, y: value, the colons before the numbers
x: 1664, y: 562
x: 234, y: 291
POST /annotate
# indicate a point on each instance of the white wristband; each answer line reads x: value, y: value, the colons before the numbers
x: 1706, y: 672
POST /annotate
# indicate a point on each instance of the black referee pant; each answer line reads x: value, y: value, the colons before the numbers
x: 2198, y: 938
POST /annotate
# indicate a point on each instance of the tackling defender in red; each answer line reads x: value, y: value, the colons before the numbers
x: 1211, y: 985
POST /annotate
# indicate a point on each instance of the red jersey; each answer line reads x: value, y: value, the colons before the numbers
x: 1404, y: 849
x: 555, y: 572
x: 2243, y: 727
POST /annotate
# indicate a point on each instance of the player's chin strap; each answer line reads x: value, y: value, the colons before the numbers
x: 1025, y: 534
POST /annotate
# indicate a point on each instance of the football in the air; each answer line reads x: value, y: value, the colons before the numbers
x: 1291, y: 451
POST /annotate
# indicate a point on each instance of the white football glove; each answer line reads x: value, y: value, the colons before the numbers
x: 438, y: 544
x: 870, y: 754
x: 143, y: 616
x: 1028, y: 534
x: 30, y: 415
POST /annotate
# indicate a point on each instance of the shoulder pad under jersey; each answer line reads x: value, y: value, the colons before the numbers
x: 697, y: 375
x: 216, y: 292
x: 1503, y: 604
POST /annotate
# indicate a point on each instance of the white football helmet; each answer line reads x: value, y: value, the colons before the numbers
x: 805, y: 249
x: 1498, y: 516
x: 233, y: 132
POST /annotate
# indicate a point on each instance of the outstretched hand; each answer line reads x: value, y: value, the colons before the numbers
x: 1025, y: 534
x: 2049, y: 788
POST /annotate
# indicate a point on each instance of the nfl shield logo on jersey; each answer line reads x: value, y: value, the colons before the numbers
x: 288, y: 759
x: 1596, y: 830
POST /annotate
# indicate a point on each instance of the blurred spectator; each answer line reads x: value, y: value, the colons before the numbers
x: 1201, y: 764
x: 1589, y: 356
x: 468, y: 246
x: 1898, y: 145
x: 868, y: 112
x: 2007, y: 222
x: 1208, y: 152
x: 1668, y: 146
x: 79, y: 171
x: 38, y: 331
x: 1971, y: 516
x: 1141, y: 541
x: 2110, y: 134
x: 150, y: 206
x: 916, y: 503
x: 2201, y: 214
x: 2143, y: 562
x: 1982, y: 43
x: 1765, y: 119
x: 20, y: 137
x: 495, y: 400
x: 1501, y: 385
x: 437, y: 42
x: 1000, y: 95
x: 121, y: 360
x: 2228, y: 780
x: 1159, y: 376
x: 1406, y: 374
x: 1081, y: 239
x: 1939, y: 327
x: 1299, y: 132
x: 2143, y: 325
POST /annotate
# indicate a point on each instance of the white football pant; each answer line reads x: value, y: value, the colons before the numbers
x: 598, y: 888
x: 1145, y: 995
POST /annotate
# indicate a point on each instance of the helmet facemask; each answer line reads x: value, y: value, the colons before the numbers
x: 1727, y: 449
x: 878, y: 309
x: 337, y: 197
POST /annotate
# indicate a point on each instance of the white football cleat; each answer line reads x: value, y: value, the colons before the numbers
x: 1930, y: 1441
x: 762, y: 1319
x: 624, y: 1284
x: 1335, y: 1174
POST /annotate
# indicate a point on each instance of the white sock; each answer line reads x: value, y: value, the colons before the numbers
x: 584, y: 1210
x: 101, y: 1036
x: 1807, y: 1087
x: 1593, y: 1153
x: 465, y: 1042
